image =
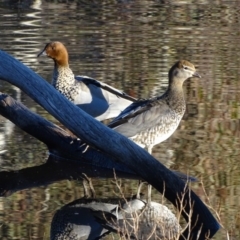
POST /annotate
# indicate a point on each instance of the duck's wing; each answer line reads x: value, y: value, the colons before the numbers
x: 131, y: 111
x: 140, y: 116
x: 107, y: 219
x: 91, y: 81
x: 80, y: 220
x: 99, y: 99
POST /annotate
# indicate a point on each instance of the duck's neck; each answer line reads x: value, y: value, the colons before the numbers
x: 63, y: 77
x: 175, y: 96
x: 176, y: 84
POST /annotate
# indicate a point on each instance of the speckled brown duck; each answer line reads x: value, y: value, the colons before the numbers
x: 149, y: 122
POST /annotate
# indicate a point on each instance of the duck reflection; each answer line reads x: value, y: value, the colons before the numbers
x: 133, y: 218
x: 92, y: 218
x: 77, y: 221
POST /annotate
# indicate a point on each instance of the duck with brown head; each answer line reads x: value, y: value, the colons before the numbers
x: 96, y: 98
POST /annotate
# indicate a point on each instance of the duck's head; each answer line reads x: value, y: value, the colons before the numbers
x: 181, y: 71
x: 57, y: 51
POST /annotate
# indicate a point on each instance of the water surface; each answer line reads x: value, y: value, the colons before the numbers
x: 131, y: 45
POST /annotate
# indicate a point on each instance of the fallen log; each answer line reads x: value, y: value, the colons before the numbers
x: 59, y: 142
x: 63, y: 147
x: 120, y: 148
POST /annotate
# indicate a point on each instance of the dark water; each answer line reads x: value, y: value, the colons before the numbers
x: 131, y: 45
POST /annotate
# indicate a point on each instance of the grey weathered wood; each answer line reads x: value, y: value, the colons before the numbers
x: 108, y: 141
x: 59, y: 142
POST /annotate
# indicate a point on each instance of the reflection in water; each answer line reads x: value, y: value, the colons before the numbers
x: 76, y: 220
x: 7, y: 127
x: 91, y: 219
x: 83, y: 217
x: 141, y: 219
x: 13, y: 181
x: 7, y: 130
x: 130, y: 45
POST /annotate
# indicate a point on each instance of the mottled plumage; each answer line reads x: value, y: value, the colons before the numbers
x: 91, y: 219
x: 149, y: 122
x: 96, y: 98
x: 141, y: 219
x: 75, y: 220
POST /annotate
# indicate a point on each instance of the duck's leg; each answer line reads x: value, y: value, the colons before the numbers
x: 141, y: 182
x: 149, y: 149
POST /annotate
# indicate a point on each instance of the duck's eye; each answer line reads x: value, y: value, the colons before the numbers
x: 184, y: 67
x: 53, y: 47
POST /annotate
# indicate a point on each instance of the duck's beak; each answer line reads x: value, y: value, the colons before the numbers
x: 42, y: 53
x: 196, y: 75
